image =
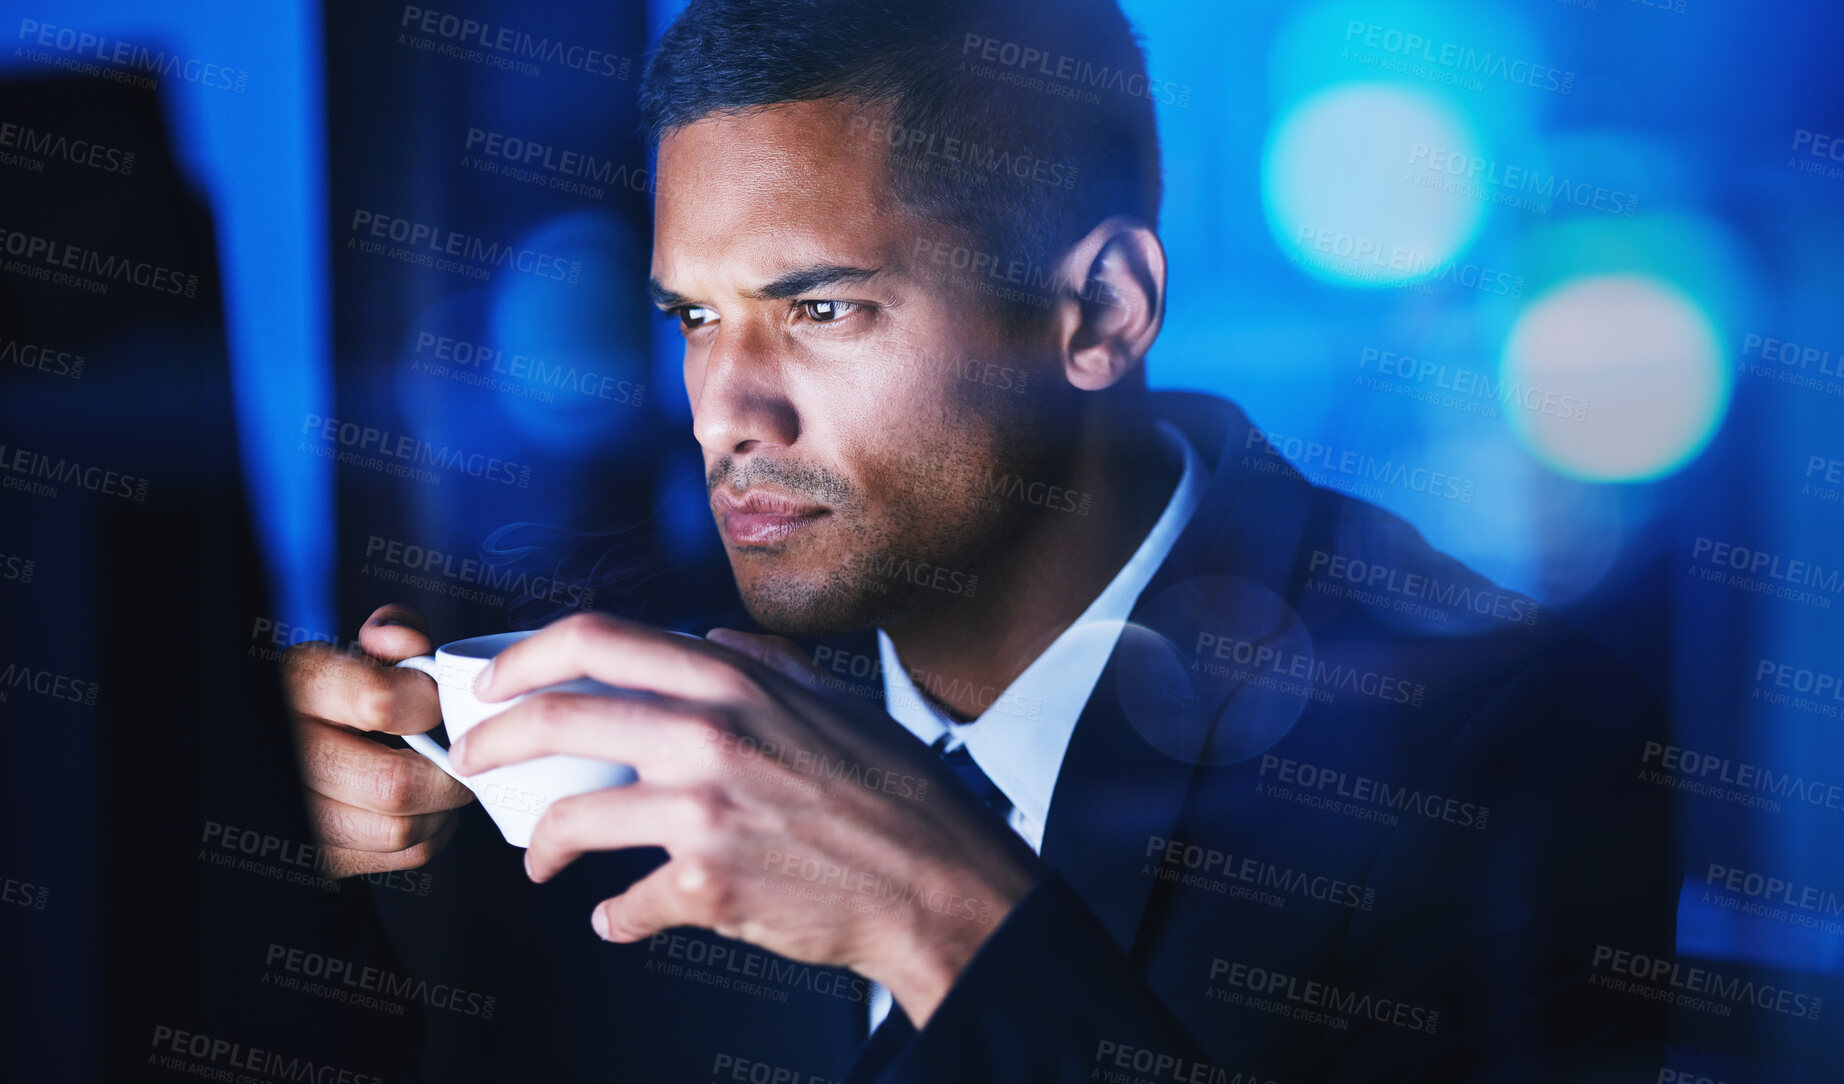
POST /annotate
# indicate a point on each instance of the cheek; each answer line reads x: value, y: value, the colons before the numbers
x: 691, y: 369
x: 933, y: 477
x: 872, y: 420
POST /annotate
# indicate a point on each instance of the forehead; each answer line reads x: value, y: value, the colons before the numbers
x: 775, y: 185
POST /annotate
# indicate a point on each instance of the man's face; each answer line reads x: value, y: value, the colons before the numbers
x: 837, y: 372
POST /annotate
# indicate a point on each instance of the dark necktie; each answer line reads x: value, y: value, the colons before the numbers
x: 969, y: 773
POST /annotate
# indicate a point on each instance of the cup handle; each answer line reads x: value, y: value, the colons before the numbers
x: 423, y: 743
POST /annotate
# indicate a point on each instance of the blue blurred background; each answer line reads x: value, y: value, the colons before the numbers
x: 1580, y: 257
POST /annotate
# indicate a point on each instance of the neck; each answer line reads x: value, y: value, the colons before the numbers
x: 965, y: 652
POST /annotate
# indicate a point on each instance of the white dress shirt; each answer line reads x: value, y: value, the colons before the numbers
x: 1022, y: 734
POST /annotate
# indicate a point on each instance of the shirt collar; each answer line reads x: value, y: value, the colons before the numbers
x: 1020, y: 737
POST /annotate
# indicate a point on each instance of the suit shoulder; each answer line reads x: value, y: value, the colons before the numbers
x: 1363, y: 575
x: 1361, y: 566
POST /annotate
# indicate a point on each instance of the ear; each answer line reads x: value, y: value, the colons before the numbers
x: 1108, y: 322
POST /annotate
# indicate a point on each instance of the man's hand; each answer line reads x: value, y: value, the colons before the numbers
x: 373, y: 808
x: 822, y: 832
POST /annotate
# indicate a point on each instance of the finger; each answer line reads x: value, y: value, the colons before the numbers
x: 353, y: 828
x: 615, y: 652
x: 650, y: 734
x: 683, y: 892
x: 356, y: 691
x: 338, y: 862
x: 778, y: 653
x: 352, y: 769
x: 640, y: 815
x: 395, y: 632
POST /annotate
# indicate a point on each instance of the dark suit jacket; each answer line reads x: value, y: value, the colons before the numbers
x: 1338, y: 809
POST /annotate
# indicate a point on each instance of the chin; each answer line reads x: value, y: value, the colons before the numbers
x: 793, y: 608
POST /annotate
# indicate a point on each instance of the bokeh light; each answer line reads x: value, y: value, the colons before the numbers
x: 1342, y: 194
x: 1625, y: 374
x: 590, y: 371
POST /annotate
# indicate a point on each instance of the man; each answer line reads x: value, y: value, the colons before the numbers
x: 1183, y: 769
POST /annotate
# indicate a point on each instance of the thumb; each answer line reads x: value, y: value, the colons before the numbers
x: 778, y: 653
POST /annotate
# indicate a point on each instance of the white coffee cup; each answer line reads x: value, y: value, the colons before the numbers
x: 515, y: 795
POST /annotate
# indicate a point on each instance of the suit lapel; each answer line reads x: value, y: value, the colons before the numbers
x: 1156, y: 719
x: 1114, y: 794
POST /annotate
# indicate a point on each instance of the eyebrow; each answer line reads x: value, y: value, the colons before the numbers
x: 804, y: 280
x: 663, y: 297
x: 807, y: 280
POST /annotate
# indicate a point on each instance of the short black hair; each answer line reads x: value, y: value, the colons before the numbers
x: 1025, y: 121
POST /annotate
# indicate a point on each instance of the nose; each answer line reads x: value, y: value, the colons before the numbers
x: 737, y: 397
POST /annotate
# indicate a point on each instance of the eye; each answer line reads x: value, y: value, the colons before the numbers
x: 825, y: 312
x: 693, y: 317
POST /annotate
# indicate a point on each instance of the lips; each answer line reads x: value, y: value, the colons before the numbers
x: 761, y: 517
